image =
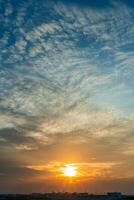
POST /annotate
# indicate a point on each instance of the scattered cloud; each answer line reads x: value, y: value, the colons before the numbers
x: 66, y: 77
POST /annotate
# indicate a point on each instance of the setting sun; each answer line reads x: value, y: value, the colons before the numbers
x: 69, y: 170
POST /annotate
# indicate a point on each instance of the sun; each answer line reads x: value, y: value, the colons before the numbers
x: 70, y: 171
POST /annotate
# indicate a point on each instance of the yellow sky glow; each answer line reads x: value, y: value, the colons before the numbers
x: 70, y: 170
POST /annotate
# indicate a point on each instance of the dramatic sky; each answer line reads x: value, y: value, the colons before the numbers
x: 66, y: 95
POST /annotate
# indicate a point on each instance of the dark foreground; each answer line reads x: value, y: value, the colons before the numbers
x: 66, y: 196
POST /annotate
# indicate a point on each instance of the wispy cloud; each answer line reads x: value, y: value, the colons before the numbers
x: 66, y: 76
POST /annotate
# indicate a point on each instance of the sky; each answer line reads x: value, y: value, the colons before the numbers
x: 66, y: 95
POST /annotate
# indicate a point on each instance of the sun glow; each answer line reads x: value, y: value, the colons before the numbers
x: 69, y: 170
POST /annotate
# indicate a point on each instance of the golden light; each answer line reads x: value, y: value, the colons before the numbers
x: 69, y: 170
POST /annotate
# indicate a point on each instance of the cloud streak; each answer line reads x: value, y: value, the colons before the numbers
x: 66, y: 77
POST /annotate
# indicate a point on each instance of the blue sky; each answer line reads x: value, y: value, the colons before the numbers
x: 66, y: 73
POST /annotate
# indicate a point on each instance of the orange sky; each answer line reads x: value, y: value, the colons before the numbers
x: 66, y: 95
